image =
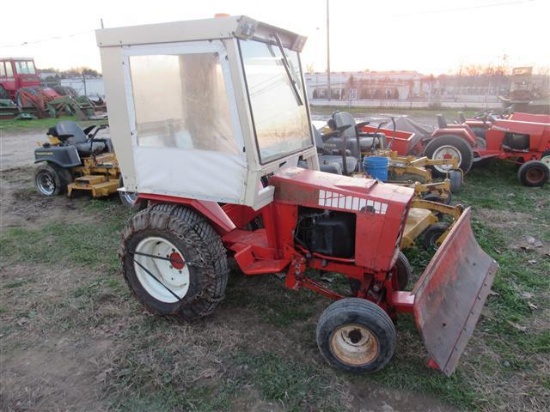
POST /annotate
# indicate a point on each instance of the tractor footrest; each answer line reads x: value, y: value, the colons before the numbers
x: 252, y: 266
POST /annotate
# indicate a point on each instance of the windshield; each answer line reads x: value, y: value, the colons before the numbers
x: 280, y: 119
x: 25, y: 67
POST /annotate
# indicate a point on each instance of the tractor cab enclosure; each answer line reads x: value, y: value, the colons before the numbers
x: 209, y: 107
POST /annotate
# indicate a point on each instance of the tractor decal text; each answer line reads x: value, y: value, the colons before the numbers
x: 340, y: 201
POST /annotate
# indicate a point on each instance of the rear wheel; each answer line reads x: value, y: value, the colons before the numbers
x: 174, y: 262
x: 51, y: 180
x: 356, y: 335
x: 446, y: 148
x: 534, y: 173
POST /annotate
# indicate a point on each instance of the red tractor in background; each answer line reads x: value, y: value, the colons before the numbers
x: 521, y: 138
x: 16, y: 73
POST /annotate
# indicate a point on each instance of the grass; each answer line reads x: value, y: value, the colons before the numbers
x: 13, y: 125
x: 61, y: 282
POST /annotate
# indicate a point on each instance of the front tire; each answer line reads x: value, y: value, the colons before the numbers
x: 174, y: 262
x: 533, y: 173
x: 51, y: 180
x: 402, y: 272
x: 356, y: 335
x: 455, y: 177
x: 448, y: 147
x: 430, y: 237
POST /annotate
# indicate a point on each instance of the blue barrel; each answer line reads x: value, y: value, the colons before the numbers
x: 377, y: 167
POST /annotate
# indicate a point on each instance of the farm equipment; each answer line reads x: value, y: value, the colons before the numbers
x: 75, y: 159
x: 364, y: 142
x: 217, y: 164
x: 522, y: 138
x: 16, y: 73
x: 427, y: 223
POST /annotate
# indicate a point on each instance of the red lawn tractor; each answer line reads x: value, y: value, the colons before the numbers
x: 521, y: 138
x: 209, y: 120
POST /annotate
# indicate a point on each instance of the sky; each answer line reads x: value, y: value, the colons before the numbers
x: 429, y: 36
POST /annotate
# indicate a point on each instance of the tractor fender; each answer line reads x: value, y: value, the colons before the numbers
x: 63, y: 156
x: 466, y: 134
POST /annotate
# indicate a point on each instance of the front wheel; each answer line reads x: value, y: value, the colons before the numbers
x: 174, y: 262
x: 534, y: 173
x: 455, y: 177
x: 431, y: 238
x: 356, y: 335
x: 402, y: 272
x: 446, y: 148
x: 51, y: 180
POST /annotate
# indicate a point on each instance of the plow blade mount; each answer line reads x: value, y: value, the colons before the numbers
x: 451, y: 293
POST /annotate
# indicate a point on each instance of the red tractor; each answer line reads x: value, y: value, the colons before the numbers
x: 16, y: 73
x: 213, y: 144
x: 521, y: 138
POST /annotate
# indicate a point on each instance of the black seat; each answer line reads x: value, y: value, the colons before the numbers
x: 332, y: 163
x: 72, y: 134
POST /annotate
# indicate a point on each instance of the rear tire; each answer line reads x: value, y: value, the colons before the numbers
x: 356, y: 335
x: 533, y: 173
x: 448, y: 147
x: 174, y: 262
x: 51, y: 180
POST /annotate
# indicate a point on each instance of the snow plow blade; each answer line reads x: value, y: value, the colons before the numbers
x: 451, y: 293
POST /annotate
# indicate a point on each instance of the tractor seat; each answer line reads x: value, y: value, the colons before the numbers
x: 71, y: 134
x: 331, y: 163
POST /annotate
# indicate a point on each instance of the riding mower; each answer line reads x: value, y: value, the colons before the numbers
x: 221, y: 154
x: 75, y: 159
x: 431, y: 216
x: 364, y: 141
x: 522, y: 138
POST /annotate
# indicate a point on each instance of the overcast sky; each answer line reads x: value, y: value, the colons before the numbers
x: 425, y: 35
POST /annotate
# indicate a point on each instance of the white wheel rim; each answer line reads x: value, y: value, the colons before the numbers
x: 161, y: 269
x: 354, y: 344
x: 45, y: 184
x: 446, y: 152
x: 546, y: 161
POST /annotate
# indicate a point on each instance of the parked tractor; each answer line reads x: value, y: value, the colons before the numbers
x: 217, y: 163
x: 76, y: 159
x: 522, y: 138
x: 15, y: 74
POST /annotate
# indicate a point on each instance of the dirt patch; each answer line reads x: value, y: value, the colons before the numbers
x: 523, y: 227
